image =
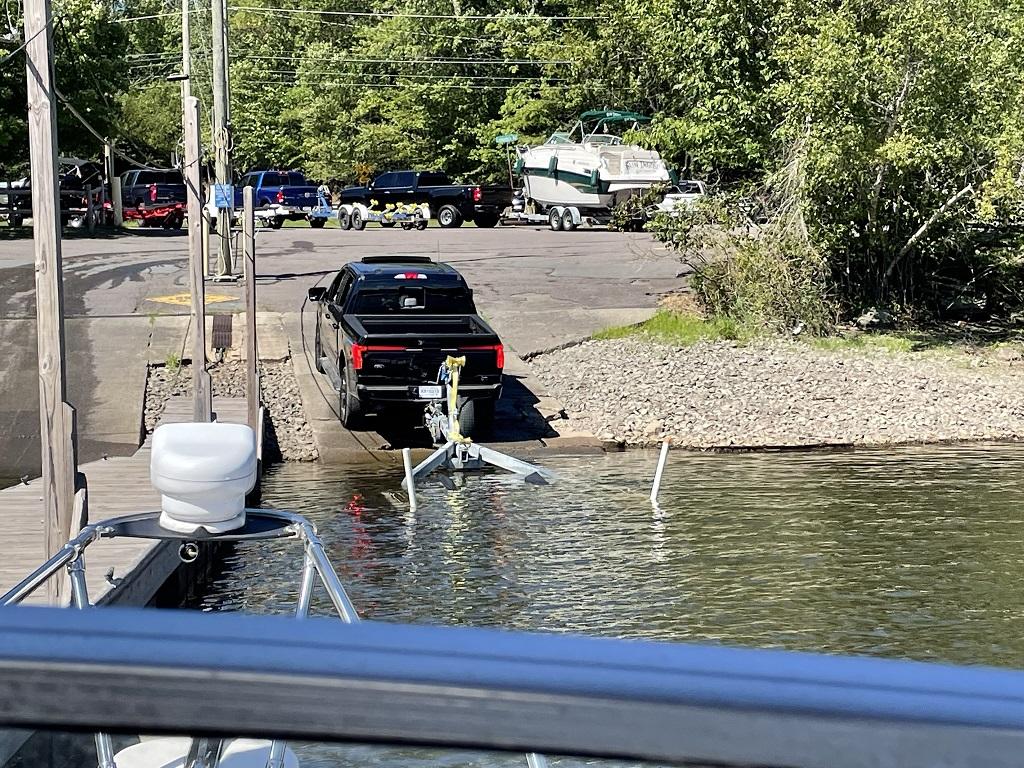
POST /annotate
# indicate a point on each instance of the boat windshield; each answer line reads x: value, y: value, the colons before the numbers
x: 602, y: 138
x: 559, y: 137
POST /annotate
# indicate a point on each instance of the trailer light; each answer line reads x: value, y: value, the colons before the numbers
x: 410, y: 276
x: 358, y: 350
x: 498, y: 349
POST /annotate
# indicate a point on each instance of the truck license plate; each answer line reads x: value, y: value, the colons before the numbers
x: 432, y: 393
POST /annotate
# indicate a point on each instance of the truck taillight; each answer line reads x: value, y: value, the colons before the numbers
x: 280, y: 195
x: 498, y: 349
x: 477, y: 194
x: 358, y: 350
x: 152, y: 193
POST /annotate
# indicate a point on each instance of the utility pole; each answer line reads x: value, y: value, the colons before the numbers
x: 222, y: 133
x: 202, y: 405
x: 186, y: 52
x: 56, y: 415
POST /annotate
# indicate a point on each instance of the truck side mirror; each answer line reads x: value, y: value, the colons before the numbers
x: 316, y: 293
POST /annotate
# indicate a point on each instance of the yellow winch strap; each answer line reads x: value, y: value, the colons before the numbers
x: 454, y: 366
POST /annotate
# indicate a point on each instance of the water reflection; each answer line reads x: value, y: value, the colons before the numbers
x: 912, y: 553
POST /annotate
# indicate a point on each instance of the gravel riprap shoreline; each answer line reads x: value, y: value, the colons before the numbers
x: 287, y: 434
x: 777, y: 393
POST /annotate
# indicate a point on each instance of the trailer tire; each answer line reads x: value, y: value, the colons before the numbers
x: 421, y: 224
x: 449, y: 217
x: 555, y: 220
x: 486, y: 220
x: 568, y: 221
x: 387, y: 224
x: 358, y: 223
x: 277, y: 222
x: 317, y: 223
x: 344, y: 219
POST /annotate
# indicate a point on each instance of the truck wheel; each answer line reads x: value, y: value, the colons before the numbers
x: 317, y: 223
x: 555, y: 220
x: 350, y: 408
x: 357, y: 220
x: 476, y: 417
x: 317, y: 351
x: 568, y: 224
x: 486, y: 221
x: 344, y: 219
x: 449, y: 217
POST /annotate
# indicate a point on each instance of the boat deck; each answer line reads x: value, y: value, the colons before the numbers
x: 117, y: 486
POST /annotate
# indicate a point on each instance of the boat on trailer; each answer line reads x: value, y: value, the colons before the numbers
x: 589, y: 166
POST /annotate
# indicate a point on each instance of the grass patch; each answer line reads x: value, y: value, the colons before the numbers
x: 680, y: 329
x: 885, y: 341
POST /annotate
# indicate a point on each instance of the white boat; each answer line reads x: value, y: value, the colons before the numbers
x: 588, y: 166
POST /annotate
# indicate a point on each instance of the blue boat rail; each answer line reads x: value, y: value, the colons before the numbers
x: 131, y: 671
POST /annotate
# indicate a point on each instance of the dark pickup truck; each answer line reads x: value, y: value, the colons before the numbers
x: 451, y: 204
x: 141, y: 189
x: 385, y: 325
x: 285, y: 194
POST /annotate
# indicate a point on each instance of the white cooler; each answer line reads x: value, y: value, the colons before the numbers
x: 203, y: 472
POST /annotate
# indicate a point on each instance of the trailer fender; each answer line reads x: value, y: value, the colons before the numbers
x: 425, y: 210
x: 363, y: 210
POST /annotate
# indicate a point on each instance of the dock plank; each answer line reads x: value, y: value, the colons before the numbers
x: 117, y: 486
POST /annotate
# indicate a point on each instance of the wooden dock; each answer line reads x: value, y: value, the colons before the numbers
x: 117, y: 486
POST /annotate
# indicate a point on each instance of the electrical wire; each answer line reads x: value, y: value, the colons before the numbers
x: 326, y: 72
x: 360, y: 84
x: 24, y: 45
x: 392, y: 15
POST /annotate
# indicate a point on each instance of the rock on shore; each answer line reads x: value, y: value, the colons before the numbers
x: 778, y: 393
x: 287, y: 434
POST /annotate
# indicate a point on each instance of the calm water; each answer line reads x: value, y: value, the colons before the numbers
x: 911, y: 553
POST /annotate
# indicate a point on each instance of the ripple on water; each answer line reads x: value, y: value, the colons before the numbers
x: 907, y: 553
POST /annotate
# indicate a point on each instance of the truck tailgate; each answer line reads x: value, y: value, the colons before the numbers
x: 410, y: 350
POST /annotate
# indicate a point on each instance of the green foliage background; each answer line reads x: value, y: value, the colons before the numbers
x: 909, y: 114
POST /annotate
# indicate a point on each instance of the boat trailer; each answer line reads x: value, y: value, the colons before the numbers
x: 457, y: 452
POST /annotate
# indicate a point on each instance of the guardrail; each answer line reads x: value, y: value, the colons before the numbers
x: 138, y: 671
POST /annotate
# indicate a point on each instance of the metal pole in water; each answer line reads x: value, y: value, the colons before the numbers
x: 657, y: 475
x: 410, y: 481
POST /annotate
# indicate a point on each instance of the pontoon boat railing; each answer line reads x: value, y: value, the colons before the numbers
x: 132, y: 671
x: 261, y: 524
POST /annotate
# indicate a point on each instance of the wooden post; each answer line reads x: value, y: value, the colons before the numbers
x: 56, y: 416
x: 202, y: 401
x: 115, y: 199
x: 90, y: 211
x: 252, y: 380
x: 206, y: 244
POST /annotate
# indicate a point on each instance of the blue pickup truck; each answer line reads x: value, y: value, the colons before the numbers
x: 281, y: 196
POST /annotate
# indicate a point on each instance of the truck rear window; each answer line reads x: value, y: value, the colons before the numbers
x: 414, y: 299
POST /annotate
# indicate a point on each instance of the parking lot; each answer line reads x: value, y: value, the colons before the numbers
x: 539, y: 289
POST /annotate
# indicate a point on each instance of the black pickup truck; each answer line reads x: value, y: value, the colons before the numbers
x: 384, y: 326
x: 451, y: 204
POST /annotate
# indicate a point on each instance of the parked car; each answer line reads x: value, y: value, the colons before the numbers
x: 145, y: 189
x: 451, y: 204
x: 284, y: 196
x: 681, y: 197
x: 74, y: 175
x: 384, y: 326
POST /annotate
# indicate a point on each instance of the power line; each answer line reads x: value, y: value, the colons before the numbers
x: 85, y: 124
x: 326, y: 72
x: 20, y: 48
x: 129, y: 19
x: 363, y: 84
x: 391, y: 15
